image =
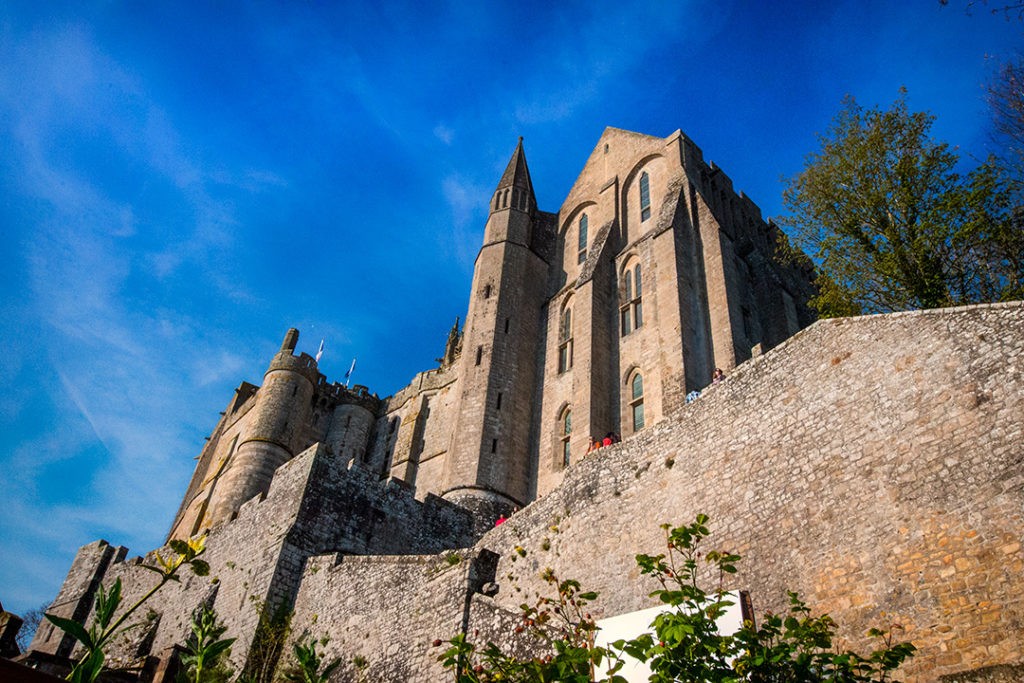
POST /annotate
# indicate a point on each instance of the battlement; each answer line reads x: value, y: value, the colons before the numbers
x: 304, y: 364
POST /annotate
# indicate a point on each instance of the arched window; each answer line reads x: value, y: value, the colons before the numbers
x: 565, y: 339
x: 566, y: 429
x: 582, y: 245
x: 631, y: 312
x: 645, y: 196
x: 636, y: 403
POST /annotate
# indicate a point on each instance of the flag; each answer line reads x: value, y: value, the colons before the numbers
x: 348, y: 375
x: 320, y: 352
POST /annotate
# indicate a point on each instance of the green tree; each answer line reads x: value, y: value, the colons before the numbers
x: 893, y: 226
x: 1006, y: 100
x: 30, y: 621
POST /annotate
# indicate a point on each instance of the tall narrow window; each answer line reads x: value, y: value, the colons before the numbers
x: 645, y: 196
x: 631, y: 313
x: 566, y: 432
x: 636, y: 404
x: 582, y: 245
x: 565, y: 340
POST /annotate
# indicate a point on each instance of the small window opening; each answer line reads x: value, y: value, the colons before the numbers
x: 645, y: 196
x: 487, y: 291
x: 636, y: 404
x: 565, y: 340
x: 494, y: 445
x: 497, y: 404
x: 479, y: 354
x: 566, y: 433
x: 506, y: 324
x: 582, y: 242
x: 631, y: 312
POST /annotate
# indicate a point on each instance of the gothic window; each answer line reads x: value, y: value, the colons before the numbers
x: 582, y: 246
x: 565, y: 340
x: 566, y: 432
x: 645, y: 196
x: 636, y: 403
x: 631, y: 312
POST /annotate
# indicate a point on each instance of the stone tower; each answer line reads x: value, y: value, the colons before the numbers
x: 489, y: 467
x: 281, y: 410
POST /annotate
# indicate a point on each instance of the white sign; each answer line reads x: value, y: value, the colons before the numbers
x: 633, y: 624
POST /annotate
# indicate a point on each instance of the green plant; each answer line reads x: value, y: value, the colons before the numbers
x: 206, y: 652
x: 309, y: 667
x: 560, y: 626
x: 685, y: 643
x: 272, y: 632
x: 104, y: 626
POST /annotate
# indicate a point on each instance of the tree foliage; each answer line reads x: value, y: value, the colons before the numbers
x: 685, y: 643
x: 30, y: 621
x: 893, y: 226
x: 1006, y: 100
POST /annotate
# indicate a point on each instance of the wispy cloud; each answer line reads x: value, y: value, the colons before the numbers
x: 444, y: 133
x: 97, y: 259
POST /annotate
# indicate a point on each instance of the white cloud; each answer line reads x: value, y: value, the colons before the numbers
x: 444, y: 133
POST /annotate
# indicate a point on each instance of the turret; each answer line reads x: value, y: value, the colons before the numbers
x: 513, y: 203
x: 274, y: 425
x: 489, y: 469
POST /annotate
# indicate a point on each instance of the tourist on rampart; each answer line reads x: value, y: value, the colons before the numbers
x: 501, y: 520
x: 718, y: 376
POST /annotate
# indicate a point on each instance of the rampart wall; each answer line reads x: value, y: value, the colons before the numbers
x: 873, y: 465
x: 317, y: 503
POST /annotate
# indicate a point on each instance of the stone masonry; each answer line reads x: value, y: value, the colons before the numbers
x: 871, y: 464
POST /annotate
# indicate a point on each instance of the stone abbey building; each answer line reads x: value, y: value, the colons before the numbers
x: 871, y: 464
x: 596, y: 319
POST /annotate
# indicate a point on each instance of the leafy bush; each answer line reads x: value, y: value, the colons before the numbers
x: 686, y: 644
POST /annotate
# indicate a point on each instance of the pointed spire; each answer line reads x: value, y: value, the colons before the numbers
x: 515, y: 189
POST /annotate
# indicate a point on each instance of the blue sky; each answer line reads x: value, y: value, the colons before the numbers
x: 182, y: 182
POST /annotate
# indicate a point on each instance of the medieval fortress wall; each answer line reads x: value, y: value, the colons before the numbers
x: 874, y: 465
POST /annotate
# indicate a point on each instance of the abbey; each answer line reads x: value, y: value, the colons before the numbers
x: 872, y: 464
x: 596, y: 319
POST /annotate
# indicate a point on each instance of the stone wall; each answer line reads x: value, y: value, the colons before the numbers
x: 388, y: 610
x: 871, y: 464
x: 316, y: 504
